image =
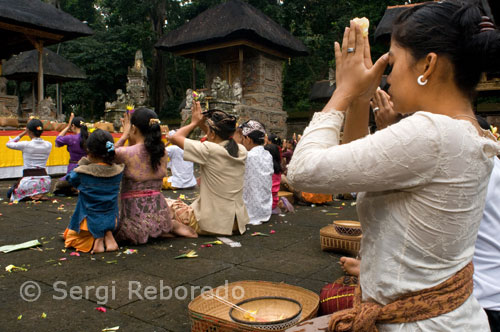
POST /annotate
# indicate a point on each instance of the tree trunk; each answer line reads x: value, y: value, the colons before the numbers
x: 159, y: 79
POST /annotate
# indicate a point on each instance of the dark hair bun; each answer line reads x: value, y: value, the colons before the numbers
x: 98, y: 146
x: 35, y: 126
x: 454, y: 29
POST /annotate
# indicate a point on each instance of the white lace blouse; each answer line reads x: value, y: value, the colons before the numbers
x: 422, y: 185
x: 257, y: 187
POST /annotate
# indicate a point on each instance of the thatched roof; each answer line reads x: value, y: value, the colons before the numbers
x: 39, y: 21
x: 234, y: 20
x: 384, y: 28
x: 56, y: 69
x: 321, y: 91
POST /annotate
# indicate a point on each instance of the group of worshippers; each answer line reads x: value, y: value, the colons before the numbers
x: 239, y: 183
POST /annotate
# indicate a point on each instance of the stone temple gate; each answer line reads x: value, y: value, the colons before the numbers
x: 243, y: 51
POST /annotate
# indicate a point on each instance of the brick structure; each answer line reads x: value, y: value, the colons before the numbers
x: 240, y: 45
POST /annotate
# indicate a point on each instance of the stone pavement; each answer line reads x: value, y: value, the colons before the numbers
x: 292, y: 254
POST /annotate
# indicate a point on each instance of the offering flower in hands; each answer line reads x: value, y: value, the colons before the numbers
x: 364, y: 23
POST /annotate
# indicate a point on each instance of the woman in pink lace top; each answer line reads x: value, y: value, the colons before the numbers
x: 144, y: 212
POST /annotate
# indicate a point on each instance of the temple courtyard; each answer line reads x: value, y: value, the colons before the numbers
x: 146, y: 289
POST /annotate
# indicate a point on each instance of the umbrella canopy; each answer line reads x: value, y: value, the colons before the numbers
x: 25, y: 21
x: 232, y: 21
x: 56, y: 69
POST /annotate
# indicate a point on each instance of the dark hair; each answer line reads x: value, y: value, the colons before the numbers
x: 141, y: 118
x: 257, y: 137
x: 275, y: 153
x: 274, y: 139
x: 96, y: 146
x: 224, y: 125
x: 35, y: 126
x: 482, y: 122
x: 79, y: 122
x: 451, y: 28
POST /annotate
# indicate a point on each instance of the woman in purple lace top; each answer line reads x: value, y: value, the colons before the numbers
x: 76, y: 142
x: 76, y: 147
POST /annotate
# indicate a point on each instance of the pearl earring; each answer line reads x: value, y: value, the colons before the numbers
x: 420, y: 80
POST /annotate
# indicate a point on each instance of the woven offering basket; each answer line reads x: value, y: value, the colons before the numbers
x: 108, y: 126
x: 272, y: 313
x: 8, y: 122
x: 347, y: 227
x: 331, y: 240
x: 209, y: 314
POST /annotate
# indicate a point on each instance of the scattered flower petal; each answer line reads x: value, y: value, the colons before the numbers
x: 19, y: 317
x: 44, y: 315
x: 130, y: 251
x: 63, y: 259
x: 13, y: 268
x: 272, y: 231
x: 101, y: 309
x: 74, y: 253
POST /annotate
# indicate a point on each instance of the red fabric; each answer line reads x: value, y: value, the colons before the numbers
x: 337, y: 296
x: 276, y: 188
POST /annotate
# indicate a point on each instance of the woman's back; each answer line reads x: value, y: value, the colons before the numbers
x: 221, y: 186
x: 137, y: 165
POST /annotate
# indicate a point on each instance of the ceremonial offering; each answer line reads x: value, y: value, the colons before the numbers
x: 270, y: 313
x: 364, y: 23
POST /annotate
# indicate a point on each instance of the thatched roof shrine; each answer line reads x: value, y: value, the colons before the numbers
x: 229, y: 24
x: 56, y: 69
x: 25, y: 21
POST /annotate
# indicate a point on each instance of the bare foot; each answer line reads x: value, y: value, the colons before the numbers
x: 98, y: 246
x: 350, y: 265
x: 183, y: 230
x: 110, y: 242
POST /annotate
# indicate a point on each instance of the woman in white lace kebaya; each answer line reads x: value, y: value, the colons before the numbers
x: 257, y: 186
x: 423, y: 180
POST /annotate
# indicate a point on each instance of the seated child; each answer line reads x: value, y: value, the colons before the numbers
x: 257, y: 193
x: 283, y: 203
x: 98, y: 180
x: 182, y: 171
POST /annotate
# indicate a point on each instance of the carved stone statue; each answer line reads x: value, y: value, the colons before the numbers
x: 189, y: 98
x: 220, y: 89
x: 237, y: 91
x: 122, y: 98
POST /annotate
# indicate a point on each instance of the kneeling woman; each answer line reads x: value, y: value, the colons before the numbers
x: 144, y: 212
x: 35, y: 181
x: 98, y: 180
x: 220, y: 208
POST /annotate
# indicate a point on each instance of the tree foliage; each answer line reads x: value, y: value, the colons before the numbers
x: 121, y: 27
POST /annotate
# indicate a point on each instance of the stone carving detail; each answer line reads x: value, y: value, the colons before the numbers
x: 137, y: 92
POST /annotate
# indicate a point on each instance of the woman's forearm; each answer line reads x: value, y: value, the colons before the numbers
x: 356, y: 123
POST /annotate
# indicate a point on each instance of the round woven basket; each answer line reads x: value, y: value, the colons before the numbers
x: 207, y: 313
x: 347, y: 227
x: 273, y: 313
x: 331, y: 240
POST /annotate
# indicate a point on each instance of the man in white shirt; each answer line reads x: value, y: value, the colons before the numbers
x: 259, y: 170
x: 182, y: 171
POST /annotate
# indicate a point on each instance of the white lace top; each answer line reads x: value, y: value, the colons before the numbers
x: 423, y: 183
x: 257, y: 193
